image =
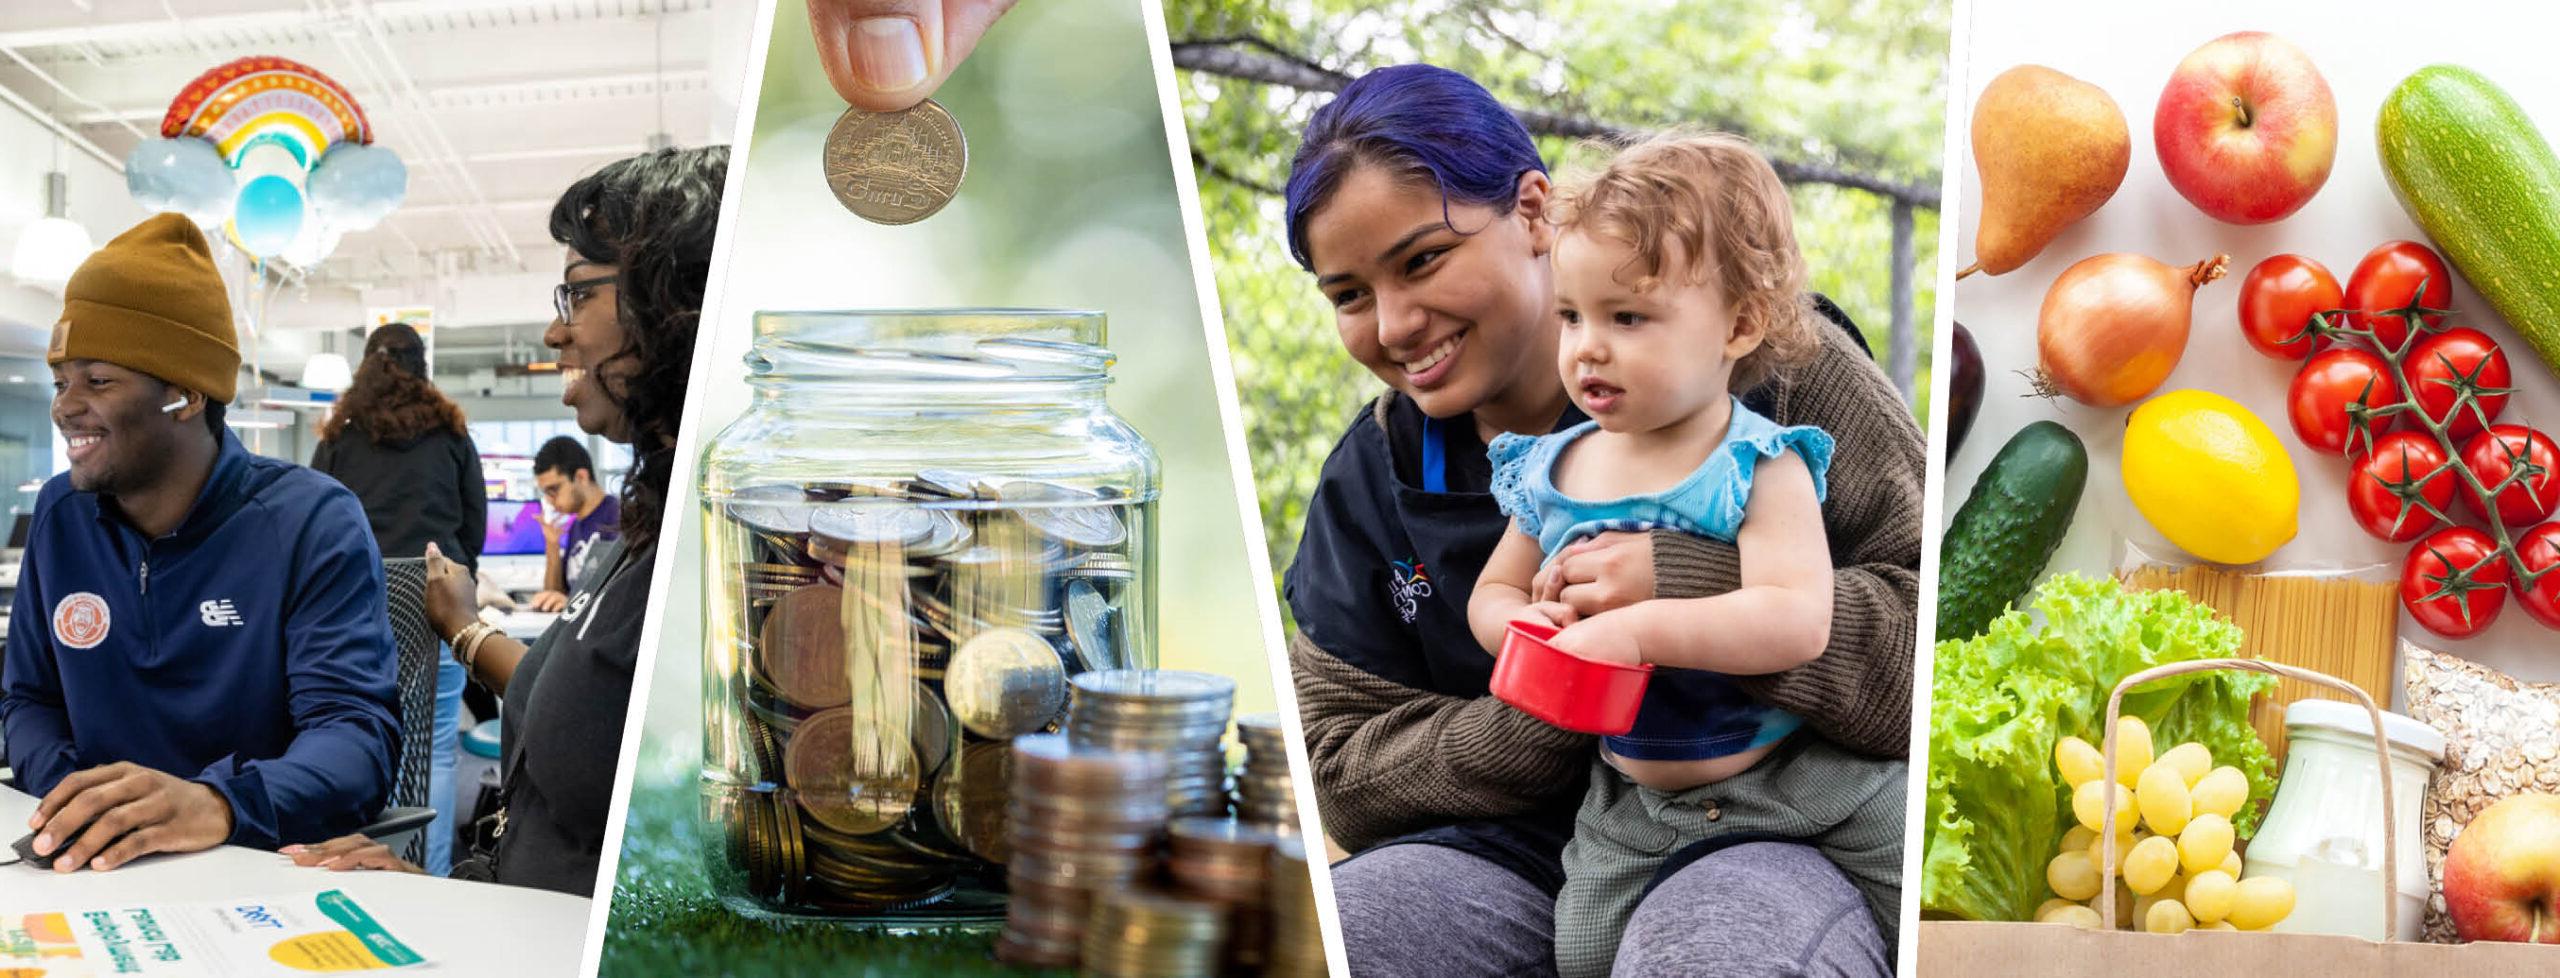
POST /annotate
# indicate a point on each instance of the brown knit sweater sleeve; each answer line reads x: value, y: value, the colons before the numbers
x: 1391, y: 759
x: 1858, y: 693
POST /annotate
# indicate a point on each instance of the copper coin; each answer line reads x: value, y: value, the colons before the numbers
x: 801, y: 647
x: 896, y: 167
x: 839, y: 793
x: 969, y: 800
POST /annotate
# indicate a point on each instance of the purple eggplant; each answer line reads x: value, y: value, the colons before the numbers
x: 1964, y: 390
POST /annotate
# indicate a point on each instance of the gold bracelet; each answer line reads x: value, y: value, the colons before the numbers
x: 471, y: 656
x: 463, y: 638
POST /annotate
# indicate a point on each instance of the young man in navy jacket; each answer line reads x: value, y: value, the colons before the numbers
x: 199, y: 652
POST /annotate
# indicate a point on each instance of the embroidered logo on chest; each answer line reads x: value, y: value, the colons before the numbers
x: 1411, y: 584
x: 219, y: 613
x: 80, y: 620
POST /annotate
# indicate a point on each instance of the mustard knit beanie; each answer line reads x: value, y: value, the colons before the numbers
x: 151, y: 301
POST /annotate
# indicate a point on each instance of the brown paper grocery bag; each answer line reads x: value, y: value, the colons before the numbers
x: 1964, y: 949
x: 1969, y: 949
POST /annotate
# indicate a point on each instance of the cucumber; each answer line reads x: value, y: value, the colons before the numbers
x: 2472, y: 170
x: 2008, y: 527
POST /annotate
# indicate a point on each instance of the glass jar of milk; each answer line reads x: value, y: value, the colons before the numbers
x: 2324, y: 832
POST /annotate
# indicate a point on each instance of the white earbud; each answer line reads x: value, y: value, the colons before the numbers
x: 174, y: 407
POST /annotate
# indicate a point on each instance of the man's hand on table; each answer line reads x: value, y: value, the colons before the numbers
x: 349, y: 852
x: 105, y: 817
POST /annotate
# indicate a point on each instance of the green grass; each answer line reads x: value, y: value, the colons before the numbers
x: 665, y: 920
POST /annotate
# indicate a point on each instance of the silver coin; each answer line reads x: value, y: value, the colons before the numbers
x: 896, y: 167
x: 1156, y: 684
x: 1005, y: 682
x: 859, y: 488
x: 1090, y: 527
x: 1090, y: 625
x: 944, y: 483
x: 870, y: 522
x: 777, y: 510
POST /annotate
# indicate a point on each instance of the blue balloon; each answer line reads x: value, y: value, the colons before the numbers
x: 186, y: 175
x: 354, y: 186
x: 268, y: 215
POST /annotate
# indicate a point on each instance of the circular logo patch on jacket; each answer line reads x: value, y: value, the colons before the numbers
x: 80, y: 620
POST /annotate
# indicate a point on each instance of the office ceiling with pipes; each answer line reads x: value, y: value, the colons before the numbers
x: 495, y: 107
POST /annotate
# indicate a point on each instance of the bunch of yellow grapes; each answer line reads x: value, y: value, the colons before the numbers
x: 2176, y: 870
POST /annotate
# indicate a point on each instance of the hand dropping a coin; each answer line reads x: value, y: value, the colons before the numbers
x: 896, y: 156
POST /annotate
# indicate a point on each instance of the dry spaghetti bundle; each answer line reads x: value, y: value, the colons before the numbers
x: 2333, y: 625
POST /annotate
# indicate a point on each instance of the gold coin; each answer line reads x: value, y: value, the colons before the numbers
x: 896, y: 167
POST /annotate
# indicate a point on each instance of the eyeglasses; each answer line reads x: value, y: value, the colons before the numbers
x: 565, y: 296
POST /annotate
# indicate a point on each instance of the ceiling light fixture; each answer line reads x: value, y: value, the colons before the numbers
x: 53, y: 247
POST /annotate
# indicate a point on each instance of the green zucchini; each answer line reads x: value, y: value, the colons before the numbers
x: 2472, y: 170
x: 2008, y: 527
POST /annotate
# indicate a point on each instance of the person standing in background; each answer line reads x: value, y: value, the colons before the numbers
x: 404, y: 448
x: 586, y: 516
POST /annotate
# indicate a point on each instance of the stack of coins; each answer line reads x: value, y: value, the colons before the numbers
x: 975, y: 598
x: 1181, y: 714
x: 1297, y: 939
x: 1084, y: 821
x: 1263, y: 792
x: 1228, y: 862
x: 1140, y: 933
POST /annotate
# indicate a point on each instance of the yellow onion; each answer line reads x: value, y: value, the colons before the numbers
x: 2114, y: 325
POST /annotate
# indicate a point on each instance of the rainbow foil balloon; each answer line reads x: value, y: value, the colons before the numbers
x: 275, y: 153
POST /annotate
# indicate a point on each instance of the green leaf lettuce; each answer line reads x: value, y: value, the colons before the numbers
x: 1996, y: 808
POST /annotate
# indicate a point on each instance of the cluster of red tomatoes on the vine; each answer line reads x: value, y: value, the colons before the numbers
x: 2413, y: 405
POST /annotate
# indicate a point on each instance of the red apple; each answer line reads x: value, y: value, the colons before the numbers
x: 2502, y: 877
x: 2246, y: 129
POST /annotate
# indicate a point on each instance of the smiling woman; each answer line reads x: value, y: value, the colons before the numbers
x: 638, y: 237
x: 1427, y: 219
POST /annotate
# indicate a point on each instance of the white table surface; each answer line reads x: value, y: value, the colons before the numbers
x: 523, y: 624
x: 2129, y: 51
x: 461, y: 928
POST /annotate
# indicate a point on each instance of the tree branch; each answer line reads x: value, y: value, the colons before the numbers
x: 1226, y: 57
x: 1223, y: 172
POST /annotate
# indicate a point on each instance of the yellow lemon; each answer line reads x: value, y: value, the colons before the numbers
x: 2210, y: 476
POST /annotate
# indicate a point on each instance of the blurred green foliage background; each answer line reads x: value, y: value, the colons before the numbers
x: 1069, y: 202
x: 1857, y: 85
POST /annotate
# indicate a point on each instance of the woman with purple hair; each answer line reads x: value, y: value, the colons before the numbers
x: 1420, y: 204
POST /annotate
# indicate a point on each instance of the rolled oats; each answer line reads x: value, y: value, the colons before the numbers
x: 2501, y: 736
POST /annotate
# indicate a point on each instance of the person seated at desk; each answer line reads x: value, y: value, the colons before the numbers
x: 199, y: 651
x: 589, y: 516
x: 638, y: 235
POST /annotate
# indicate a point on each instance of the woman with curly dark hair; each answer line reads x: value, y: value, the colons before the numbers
x: 402, y: 446
x: 638, y: 236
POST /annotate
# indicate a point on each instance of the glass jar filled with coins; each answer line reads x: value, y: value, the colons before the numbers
x: 924, y: 527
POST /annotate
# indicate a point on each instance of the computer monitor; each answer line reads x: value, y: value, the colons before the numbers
x: 515, y: 527
x: 18, y: 530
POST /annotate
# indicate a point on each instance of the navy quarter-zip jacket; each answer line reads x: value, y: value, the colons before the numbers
x: 250, y: 650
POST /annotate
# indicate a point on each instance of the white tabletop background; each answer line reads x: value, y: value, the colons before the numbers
x: 460, y: 928
x: 2129, y: 50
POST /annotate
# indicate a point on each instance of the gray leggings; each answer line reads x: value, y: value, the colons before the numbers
x: 1757, y: 909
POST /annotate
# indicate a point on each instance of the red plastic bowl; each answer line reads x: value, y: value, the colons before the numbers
x: 1565, y: 689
